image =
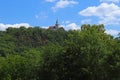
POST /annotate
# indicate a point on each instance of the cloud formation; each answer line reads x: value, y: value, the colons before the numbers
x: 41, y: 15
x: 114, y: 1
x: 108, y: 14
x: 72, y: 26
x: 86, y: 21
x: 3, y: 27
x: 112, y: 32
x: 67, y: 26
x: 50, y: 0
x: 63, y: 4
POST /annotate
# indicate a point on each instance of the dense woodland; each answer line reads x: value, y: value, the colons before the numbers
x: 43, y: 54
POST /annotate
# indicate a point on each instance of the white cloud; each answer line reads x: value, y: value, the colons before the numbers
x: 41, y: 15
x: 50, y: 0
x: 107, y: 13
x: 72, y: 26
x: 3, y: 27
x: 86, y: 21
x: 37, y: 16
x: 63, y: 4
x: 114, y: 1
x: 67, y: 26
x: 112, y: 32
x: 102, y: 10
x: 109, y: 20
x: 45, y: 27
x: 65, y: 22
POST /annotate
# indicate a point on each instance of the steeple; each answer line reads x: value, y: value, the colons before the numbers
x: 57, y: 21
x: 57, y: 24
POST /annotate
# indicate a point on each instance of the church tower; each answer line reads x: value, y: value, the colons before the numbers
x: 57, y: 24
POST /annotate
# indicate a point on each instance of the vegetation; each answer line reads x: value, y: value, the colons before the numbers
x: 46, y: 54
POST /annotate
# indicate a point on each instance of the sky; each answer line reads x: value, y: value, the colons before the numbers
x: 71, y: 14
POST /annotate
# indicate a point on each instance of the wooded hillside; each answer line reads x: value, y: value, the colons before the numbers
x: 44, y: 54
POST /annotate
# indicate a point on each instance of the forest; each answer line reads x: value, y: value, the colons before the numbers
x: 35, y: 53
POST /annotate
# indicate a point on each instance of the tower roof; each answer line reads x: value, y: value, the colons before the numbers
x: 57, y: 21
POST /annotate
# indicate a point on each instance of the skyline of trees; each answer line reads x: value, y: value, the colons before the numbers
x: 35, y: 53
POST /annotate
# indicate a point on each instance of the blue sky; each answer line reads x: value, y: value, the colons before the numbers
x: 70, y: 13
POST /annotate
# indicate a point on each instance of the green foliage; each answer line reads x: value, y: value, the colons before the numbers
x: 45, y: 54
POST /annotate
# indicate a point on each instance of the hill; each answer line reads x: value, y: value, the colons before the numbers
x: 45, y: 54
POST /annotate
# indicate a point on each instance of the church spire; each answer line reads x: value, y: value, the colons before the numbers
x: 57, y: 21
x: 57, y: 24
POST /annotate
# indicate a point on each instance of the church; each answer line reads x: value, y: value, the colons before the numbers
x: 56, y: 26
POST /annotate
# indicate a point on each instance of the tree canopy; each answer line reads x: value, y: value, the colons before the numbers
x: 35, y: 53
